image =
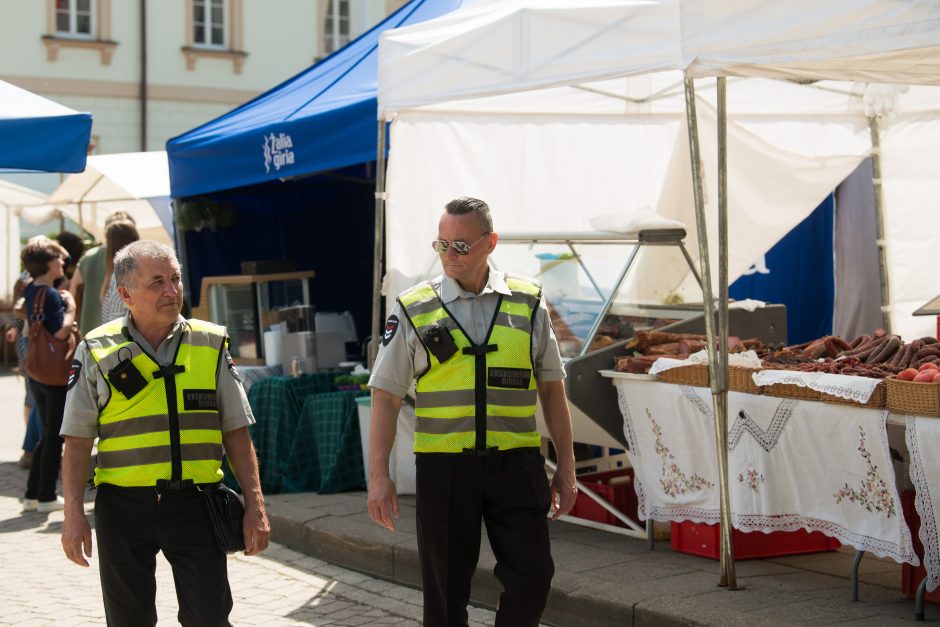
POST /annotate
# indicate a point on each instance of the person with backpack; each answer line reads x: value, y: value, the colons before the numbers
x: 50, y: 316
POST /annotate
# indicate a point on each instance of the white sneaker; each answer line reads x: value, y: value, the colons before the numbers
x: 51, y: 506
x: 30, y: 505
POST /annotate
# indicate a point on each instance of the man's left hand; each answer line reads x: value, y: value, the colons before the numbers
x: 564, y: 490
x: 256, y: 529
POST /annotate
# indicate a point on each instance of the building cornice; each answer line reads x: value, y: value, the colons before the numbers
x: 131, y: 90
x: 192, y: 54
x: 54, y: 44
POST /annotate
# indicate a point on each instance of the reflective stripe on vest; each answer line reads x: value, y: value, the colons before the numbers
x: 480, y: 397
x: 134, y: 446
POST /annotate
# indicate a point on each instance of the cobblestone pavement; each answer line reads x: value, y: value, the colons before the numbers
x: 279, y: 587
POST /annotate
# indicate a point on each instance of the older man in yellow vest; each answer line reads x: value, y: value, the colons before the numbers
x: 478, y: 346
x: 164, y: 399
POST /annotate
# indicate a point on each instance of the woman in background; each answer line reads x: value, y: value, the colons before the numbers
x: 118, y: 235
x: 44, y: 259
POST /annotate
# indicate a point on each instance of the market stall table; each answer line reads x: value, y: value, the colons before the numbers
x: 923, y: 444
x: 306, y: 435
x: 792, y: 464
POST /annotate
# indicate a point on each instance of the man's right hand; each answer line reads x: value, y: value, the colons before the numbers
x: 383, y: 502
x: 76, y: 537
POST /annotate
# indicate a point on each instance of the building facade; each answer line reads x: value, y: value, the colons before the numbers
x: 149, y: 70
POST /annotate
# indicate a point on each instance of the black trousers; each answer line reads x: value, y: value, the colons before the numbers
x: 509, y: 493
x: 132, y: 525
x: 47, y: 458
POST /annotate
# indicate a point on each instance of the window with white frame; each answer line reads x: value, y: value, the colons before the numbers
x: 336, y: 26
x: 209, y: 17
x: 74, y: 18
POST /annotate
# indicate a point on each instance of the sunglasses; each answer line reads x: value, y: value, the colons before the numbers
x: 461, y: 248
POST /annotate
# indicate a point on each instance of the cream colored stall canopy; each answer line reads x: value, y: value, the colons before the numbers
x: 137, y: 183
x: 12, y: 198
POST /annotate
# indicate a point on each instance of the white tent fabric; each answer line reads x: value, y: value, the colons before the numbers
x: 12, y: 197
x: 467, y: 119
x: 762, y: 209
x: 137, y: 183
x: 493, y: 47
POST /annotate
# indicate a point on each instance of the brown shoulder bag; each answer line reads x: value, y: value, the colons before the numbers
x: 48, y: 358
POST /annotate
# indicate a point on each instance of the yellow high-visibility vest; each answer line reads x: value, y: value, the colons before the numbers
x: 134, y: 445
x: 484, y: 396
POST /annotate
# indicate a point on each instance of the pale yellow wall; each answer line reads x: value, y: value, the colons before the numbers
x: 116, y: 120
x: 281, y: 38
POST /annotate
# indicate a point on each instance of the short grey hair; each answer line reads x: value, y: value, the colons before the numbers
x: 464, y: 205
x: 127, y: 259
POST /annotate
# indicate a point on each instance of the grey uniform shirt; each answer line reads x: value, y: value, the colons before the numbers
x: 399, y: 360
x: 90, y: 392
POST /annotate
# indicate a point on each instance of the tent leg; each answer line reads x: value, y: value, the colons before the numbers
x: 723, y: 325
x: 878, y: 189
x: 379, y: 241
x: 728, y: 577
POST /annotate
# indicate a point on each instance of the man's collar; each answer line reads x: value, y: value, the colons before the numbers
x: 495, y: 282
x: 136, y: 335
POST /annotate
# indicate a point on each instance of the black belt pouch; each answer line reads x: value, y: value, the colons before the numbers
x: 225, y: 512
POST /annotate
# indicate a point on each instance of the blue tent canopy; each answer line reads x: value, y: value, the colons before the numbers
x: 321, y: 119
x: 38, y: 135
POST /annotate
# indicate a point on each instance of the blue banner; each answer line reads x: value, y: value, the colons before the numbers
x: 798, y: 272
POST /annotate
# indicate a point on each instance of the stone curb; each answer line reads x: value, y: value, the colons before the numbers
x: 352, y: 541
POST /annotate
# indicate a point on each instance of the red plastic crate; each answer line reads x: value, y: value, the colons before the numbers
x: 703, y: 540
x: 616, y: 487
x: 911, y: 576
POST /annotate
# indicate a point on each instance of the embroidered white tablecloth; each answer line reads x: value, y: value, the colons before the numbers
x: 923, y: 444
x: 791, y: 465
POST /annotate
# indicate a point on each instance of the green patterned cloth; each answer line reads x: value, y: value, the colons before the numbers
x: 326, y: 451
x: 306, y: 435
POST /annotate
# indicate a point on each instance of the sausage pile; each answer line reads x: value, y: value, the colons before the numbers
x: 648, y: 346
x: 878, y: 355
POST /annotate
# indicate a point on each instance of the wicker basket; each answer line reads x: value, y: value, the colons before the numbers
x: 786, y: 390
x: 907, y: 397
x: 740, y: 380
x: 695, y: 375
x: 877, y: 400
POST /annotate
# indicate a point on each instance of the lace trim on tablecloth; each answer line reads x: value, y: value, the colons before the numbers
x: 750, y: 523
x: 767, y: 439
x: 628, y: 431
x: 844, y: 386
x: 634, y: 449
x: 793, y: 522
x: 924, y: 507
x: 690, y: 395
x: 680, y: 514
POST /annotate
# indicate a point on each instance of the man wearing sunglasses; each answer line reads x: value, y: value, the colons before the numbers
x: 478, y: 346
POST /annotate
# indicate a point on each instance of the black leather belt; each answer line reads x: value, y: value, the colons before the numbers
x: 486, y: 452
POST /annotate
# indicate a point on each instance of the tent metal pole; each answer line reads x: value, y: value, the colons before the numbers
x: 875, y: 130
x: 379, y: 241
x: 709, y: 303
x: 728, y: 574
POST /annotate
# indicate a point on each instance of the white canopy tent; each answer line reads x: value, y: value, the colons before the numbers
x: 557, y: 111
x: 12, y: 198
x: 137, y: 183
x: 489, y: 49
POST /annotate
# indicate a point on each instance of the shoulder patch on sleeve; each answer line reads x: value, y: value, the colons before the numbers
x: 74, y: 371
x: 231, y: 367
x: 391, y: 326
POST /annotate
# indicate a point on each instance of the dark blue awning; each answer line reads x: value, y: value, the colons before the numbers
x: 38, y: 135
x: 321, y: 119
